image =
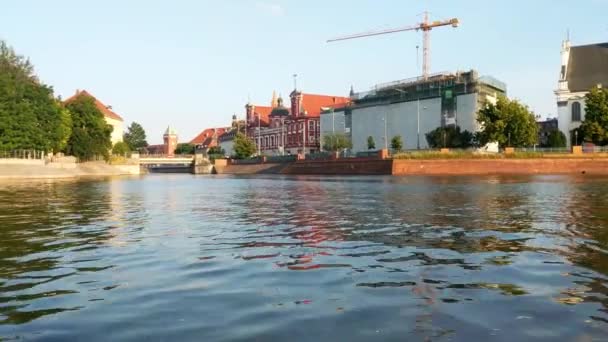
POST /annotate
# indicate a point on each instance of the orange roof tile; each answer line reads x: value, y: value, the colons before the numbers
x: 312, y: 103
x: 107, y: 112
x: 263, y: 112
x: 208, y: 137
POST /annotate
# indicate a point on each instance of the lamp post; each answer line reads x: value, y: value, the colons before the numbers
x: 576, y: 137
x: 418, y: 125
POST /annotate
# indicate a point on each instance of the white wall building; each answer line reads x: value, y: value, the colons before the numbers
x: 582, y: 68
x: 412, y: 108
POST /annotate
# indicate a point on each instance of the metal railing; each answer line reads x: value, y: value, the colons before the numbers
x: 162, y: 155
x: 543, y: 150
x: 281, y: 159
x: 22, y: 154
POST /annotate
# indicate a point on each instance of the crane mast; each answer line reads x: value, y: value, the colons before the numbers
x: 426, y: 26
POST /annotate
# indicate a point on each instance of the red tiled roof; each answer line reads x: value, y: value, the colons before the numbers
x: 263, y: 112
x: 107, y: 112
x: 208, y: 137
x: 312, y: 103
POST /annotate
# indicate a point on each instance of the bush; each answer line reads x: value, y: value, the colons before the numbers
x: 397, y: 143
x: 336, y: 142
x: 450, y: 137
x: 121, y: 149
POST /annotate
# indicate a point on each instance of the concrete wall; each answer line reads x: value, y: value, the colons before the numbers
x: 401, y: 120
x: 335, y: 122
x: 17, y: 161
x: 228, y: 147
x: 466, y: 112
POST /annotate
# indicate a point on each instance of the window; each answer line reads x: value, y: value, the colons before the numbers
x: 311, y: 125
x: 576, y: 111
x: 272, y: 140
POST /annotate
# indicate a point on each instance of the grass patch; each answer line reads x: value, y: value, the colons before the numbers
x: 417, y: 155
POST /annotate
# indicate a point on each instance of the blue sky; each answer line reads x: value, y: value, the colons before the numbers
x: 192, y: 64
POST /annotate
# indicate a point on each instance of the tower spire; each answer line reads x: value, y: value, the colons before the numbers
x: 273, y: 102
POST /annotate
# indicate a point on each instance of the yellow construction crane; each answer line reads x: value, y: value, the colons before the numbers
x: 424, y: 26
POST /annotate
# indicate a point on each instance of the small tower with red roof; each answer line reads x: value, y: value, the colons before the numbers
x: 170, y: 142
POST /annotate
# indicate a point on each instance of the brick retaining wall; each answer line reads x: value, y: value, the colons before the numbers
x: 499, y: 166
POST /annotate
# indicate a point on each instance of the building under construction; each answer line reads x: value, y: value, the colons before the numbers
x: 413, y: 107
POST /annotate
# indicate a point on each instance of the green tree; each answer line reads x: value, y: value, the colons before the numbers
x: 397, y: 143
x: 185, y: 149
x: 30, y: 116
x: 595, y: 126
x: 64, y: 131
x: 507, y: 122
x: 243, y: 146
x: 121, y: 148
x: 216, y: 150
x: 556, y: 139
x: 336, y: 142
x: 135, y: 137
x: 90, y: 133
x: 371, y: 144
x: 450, y: 137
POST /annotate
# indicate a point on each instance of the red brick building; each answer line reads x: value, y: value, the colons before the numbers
x: 278, y: 130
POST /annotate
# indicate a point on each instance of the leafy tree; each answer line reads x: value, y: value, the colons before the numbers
x: 397, y: 143
x: 507, y: 122
x: 185, y: 149
x: 135, y: 137
x: 121, y: 148
x: 371, y: 144
x: 556, y: 139
x: 64, y: 130
x: 216, y: 150
x: 243, y: 146
x: 336, y: 141
x: 30, y: 116
x: 595, y: 126
x: 450, y: 136
x: 90, y: 133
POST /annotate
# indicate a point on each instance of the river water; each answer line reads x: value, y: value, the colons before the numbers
x: 211, y: 258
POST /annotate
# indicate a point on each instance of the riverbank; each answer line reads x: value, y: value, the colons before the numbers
x: 404, y: 167
x: 50, y: 171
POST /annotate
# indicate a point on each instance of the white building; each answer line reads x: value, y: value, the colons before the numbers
x: 582, y: 68
x: 411, y: 108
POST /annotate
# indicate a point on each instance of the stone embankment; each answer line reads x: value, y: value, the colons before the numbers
x: 36, y: 168
x: 404, y: 167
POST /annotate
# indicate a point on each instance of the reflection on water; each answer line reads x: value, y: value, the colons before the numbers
x: 180, y: 257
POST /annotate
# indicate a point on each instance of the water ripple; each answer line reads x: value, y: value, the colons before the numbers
x: 178, y: 257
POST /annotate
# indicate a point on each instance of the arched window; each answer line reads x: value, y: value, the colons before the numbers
x: 272, y: 140
x: 576, y: 111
